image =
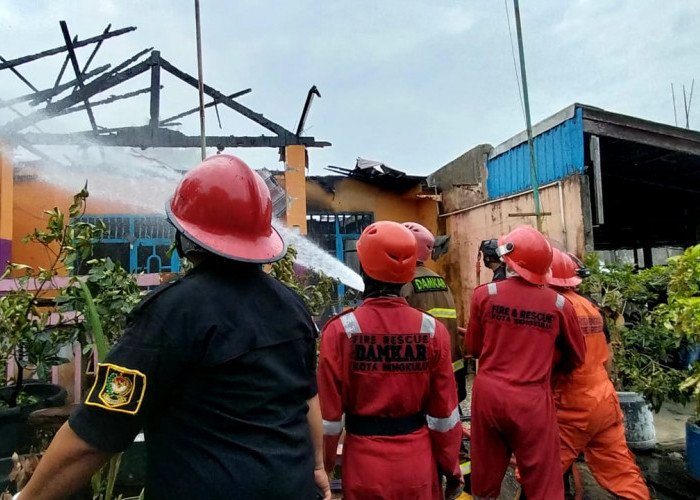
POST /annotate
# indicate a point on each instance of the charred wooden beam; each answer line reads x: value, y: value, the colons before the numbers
x: 93, y: 53
x: 88, y: 41
x: 20, y: 76
x: 168, y: 121
x: 211, y: 92
x: 105, y: 101
x: 63, y: 66
x: 142, y: 137
x: 98, y: 85
x: 42, y: 95
x: 155, y: 89
x: 78, y: 73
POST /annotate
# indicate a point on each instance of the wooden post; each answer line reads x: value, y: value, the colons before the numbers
x: 295, y: 184
x: 597, y: 179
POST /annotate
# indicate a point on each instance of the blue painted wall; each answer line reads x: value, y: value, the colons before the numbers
x: 558, y: 153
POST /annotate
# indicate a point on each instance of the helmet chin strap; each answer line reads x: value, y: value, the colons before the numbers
x: 186, y: 246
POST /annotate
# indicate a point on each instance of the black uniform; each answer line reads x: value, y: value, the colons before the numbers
x: 499, y: 273
x: 216, y: 369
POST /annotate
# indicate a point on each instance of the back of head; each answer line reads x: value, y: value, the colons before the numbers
x: 527, y: 252
x: 224, y: 207
x: 387, y: 252
x: 488, y: 249
x: 425, y: 241
x: 564, y: 270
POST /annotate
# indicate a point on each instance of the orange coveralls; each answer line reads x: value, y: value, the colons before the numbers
x: 589, y: 415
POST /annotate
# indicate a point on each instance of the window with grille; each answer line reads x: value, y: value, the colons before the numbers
x: 138, y: 242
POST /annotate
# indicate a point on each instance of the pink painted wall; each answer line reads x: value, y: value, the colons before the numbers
x: 564, y: 227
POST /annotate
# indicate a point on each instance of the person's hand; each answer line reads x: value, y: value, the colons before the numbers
x: 322, y: 482
x: 454, y: 487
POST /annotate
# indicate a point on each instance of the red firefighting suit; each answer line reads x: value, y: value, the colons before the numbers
x: 386, y: 367
x: 589, y: 413
x: 513, y: 328
x: 429, y: 292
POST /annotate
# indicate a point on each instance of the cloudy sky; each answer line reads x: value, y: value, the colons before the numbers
x: 413, y: 83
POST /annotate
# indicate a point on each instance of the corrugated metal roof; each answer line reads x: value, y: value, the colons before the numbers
x: 558, y: 152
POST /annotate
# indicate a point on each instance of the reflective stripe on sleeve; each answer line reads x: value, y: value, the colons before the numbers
x: 443, y: 424
x: 441, y: 312
x: 428, y: 325
x: 350, y: 324
x: 493, y: 289
x: 560, y: 301
x: 466, y: 468
x: 332, y: 427
x: 458, y: 365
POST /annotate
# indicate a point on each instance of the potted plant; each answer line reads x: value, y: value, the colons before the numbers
x: 681, y: 314
x: 32, y: 332
x: 645, y: 351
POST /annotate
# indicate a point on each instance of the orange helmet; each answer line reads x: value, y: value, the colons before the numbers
x: 225, y: 207
x: 424, y: 240
x: 528, y: 253
x: 564, y: 270
x: 387, y: 252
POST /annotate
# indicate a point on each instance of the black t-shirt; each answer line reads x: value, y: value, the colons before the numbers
x: 216, y: 369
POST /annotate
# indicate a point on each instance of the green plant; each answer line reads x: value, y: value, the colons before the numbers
x: 113, y: 293
x: 315, y: 290
x: 645, y: 349
x: 681, y: 313
x: 26, y: 332
x: 644, y: 356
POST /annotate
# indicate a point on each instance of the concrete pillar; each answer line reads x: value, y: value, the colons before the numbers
x: 295, y: 183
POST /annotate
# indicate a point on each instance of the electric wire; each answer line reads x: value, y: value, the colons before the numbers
x: 515, y: 64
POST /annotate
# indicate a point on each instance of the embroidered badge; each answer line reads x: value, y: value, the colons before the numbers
x: 429, y: 284
x: 117, y: 389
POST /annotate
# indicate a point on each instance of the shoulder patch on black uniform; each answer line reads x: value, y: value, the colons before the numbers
x: 429, y: 284
x: 117, y: 389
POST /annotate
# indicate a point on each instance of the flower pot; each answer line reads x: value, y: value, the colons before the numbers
x: 14, y: 432
x: 692, y: 447
x: 640, y: 432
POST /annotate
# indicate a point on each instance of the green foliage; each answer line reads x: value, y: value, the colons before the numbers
x: 644, y: 353
x: 316, y: 291
x: 25, y: 332
x: 647, y: 330
x: 681, y: 313
x: 113, y: 291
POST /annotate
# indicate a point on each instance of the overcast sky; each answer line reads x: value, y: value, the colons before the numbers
x: 411, y: 83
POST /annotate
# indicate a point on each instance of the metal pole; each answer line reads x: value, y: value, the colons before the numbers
x: 528, y: 122
x: 201, y: 80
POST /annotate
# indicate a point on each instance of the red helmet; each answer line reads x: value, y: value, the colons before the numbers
x: 387, y: 252
x: 528, y: 253
x: 563, y: 270
x: 225, y: 207
x: 424, y: 240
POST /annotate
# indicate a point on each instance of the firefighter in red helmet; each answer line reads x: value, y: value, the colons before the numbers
x: 588, y: 411
x: 513, y: 328
x: 385, y: 375
x: 217, y: 368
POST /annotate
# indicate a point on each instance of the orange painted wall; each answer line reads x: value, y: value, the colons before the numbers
x: 31, y: 199
x: 355, y: 196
